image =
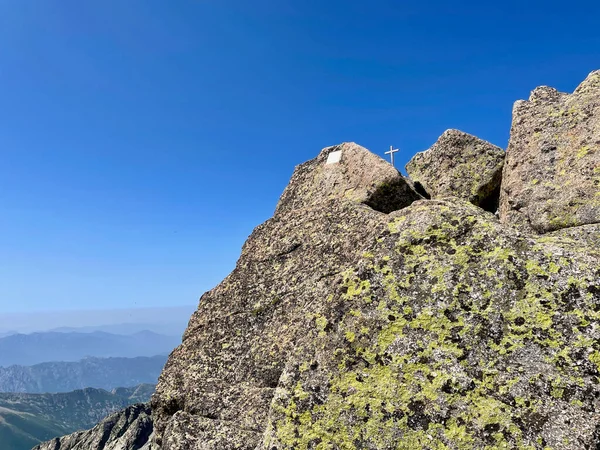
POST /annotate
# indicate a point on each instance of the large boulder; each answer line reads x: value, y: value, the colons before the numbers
x: 450, y: 331
x: 460, y: 165
x: 434, y: 326
x: 551, y: 178
x: 348, y: 171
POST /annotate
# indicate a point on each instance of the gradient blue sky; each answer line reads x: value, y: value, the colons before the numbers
x: 142, y: 140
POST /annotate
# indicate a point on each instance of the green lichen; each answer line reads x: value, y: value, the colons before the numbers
x: 583, y: 151
x: 415, y: 326
x: 595, y: 358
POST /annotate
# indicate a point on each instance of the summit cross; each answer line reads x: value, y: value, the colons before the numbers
x: 391, y: 153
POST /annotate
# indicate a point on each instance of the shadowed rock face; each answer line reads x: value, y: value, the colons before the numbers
x: 129, y: 429
x: 351, y: 172
x: 551, y: 178
x: 460, y: 165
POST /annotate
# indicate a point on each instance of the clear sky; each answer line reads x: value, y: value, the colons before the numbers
x: 142, y: 140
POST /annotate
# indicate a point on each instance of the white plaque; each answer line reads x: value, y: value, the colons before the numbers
x: 334, y: 157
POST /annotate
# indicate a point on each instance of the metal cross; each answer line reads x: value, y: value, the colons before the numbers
x: 391, y: 153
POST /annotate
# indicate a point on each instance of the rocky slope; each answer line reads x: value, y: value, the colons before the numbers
x: 362, y: 316
x: 28, y: 419
x: 130, y: 428
x: 100, y: 373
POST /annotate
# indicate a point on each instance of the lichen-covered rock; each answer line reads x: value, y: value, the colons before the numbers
x: 551, y: 178
x: 460, y: 165
x: 245, y: 330
x: 351, y: 172
x: 433, y: 327
x: 452, y: 332
x: 130, y: 429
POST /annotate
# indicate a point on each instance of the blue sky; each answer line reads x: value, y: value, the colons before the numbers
x: 141, y: 141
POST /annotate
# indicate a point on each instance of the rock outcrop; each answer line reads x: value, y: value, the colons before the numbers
x: 348, y: 171
x: 129, y: 429
x: 551, y: 178
x: 460, y: 165
x: 363, y: 317
x: 432, y: 326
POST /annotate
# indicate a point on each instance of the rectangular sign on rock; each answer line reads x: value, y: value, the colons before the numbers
x: 334, y: 157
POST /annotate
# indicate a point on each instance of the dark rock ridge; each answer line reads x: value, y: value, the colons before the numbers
x: 460, y: 165
x: 28, y: 419
x: 551, y: 178
x: 422, y: 324
x: 129, y: 429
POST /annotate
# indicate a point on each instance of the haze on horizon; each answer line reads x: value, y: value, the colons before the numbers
x: 169, y: 320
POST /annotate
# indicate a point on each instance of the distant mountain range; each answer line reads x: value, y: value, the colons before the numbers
x: 7, y: 333
x: 35, y: 348
x: 28, y: 419
x: 101, y: 373
x: 171, y: 320
x: 169, y: 329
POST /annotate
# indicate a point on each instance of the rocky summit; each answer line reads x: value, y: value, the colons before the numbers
x: 364, y: 316
x: 460, y: 165
x: 349, y: 172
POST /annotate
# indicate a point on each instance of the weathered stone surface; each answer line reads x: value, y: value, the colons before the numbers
x: 452, y: 331
x: 432, y: 327
x: 130, y: 429
x: 342, y: 327
x: 460, y: 165
x: 551, y: 178
x: 245, y: 330
x: 359, y: 175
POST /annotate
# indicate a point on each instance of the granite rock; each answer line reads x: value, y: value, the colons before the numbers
x: 348, y: 171
x: 460, y: 165
x: 362, y: 317
x: 551, y: 178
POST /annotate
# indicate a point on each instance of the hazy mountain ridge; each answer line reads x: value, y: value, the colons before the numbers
x: 28, y: 419
x: 36, y: 348
x: 167, y: 329
x: 100, y: 373
x: 158, y: 319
